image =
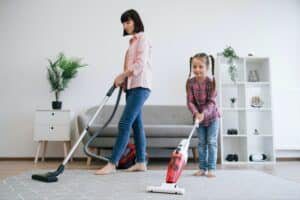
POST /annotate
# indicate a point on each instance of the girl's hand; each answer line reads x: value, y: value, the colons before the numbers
x: 199, y: 117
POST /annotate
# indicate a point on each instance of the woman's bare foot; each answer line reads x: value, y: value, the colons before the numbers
x: 109, y: 168
x: 211, y: 174
x: 138, y: 167
x: 200, y: 172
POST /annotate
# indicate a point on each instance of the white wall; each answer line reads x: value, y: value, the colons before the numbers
x: 31, y: 31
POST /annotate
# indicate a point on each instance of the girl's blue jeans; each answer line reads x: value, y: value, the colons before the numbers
x: 208, y: 145
x: 132, y: 118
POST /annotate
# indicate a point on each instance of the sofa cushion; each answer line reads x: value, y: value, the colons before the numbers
x: 163, y: 131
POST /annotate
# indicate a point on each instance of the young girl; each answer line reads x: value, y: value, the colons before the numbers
x: 201, y: 101
x: 136, y: 82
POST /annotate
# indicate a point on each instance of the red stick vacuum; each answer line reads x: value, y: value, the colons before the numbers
x: 176, y: 165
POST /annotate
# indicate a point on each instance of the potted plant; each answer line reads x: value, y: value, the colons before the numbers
x: 60, y: 72
x: 231, y: 56
x: 232, y: 100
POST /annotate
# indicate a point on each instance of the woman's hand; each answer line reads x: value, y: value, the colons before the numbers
x: 199, y: 117
x: 119, y: 80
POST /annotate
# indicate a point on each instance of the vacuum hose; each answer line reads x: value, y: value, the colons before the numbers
x: 98, y: 133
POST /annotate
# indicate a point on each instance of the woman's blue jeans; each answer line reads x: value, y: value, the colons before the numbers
x: 208, y: 145
x: 132, y: 118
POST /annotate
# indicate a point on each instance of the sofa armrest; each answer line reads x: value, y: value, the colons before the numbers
x: 81, y: 123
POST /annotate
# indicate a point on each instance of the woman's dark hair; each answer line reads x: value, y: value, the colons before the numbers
x: 212, y: 62
x: 135, y: 17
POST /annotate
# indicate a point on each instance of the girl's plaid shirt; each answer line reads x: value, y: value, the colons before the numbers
x: 201, y: 98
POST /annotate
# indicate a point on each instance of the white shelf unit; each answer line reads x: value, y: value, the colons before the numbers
x: 242, y: 116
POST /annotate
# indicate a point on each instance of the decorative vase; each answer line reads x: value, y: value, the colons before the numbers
x: 56, y: 105
x: 253, y: 76
x: 232, y: 70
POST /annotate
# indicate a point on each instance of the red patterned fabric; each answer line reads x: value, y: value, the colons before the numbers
x: 201, y: 98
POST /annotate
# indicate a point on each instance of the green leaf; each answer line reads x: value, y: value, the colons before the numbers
x: 62, y: 70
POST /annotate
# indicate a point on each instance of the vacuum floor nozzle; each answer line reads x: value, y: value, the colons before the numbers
x: 49, y: 176
x: 168, y: 188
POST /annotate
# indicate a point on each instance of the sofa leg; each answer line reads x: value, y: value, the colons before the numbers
x: 195, y: 154
x: 89, y: 159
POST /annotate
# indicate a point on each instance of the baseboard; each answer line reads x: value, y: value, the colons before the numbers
x: 288, y: 159
x: 287, y: 153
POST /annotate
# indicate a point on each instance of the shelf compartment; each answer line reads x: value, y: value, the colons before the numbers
x: 225, y: 77
x: 233, y: 91
x: 261, y: 145
x: 261, y: 121
x: 234, y: 119
x: 235, y: 145
x: 261, y: 66
x: 262, y: 91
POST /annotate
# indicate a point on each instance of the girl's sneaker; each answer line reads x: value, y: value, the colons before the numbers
x: 211, y: 174
x: 200, y: 172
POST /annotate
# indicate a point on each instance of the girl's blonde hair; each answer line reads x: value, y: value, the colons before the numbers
x: 209, y: 60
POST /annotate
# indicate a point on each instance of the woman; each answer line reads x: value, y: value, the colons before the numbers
x: 136, y: 82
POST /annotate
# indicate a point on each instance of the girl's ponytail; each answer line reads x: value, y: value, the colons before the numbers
x: 212, y: 62
x: 190, y: 74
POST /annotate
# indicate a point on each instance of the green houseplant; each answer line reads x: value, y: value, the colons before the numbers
x: 231, y: 56
x: 60, y: 72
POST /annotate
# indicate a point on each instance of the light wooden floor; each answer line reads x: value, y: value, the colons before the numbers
x: 285, y: 169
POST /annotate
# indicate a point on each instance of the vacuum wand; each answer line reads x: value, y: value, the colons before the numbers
x: 91, y: 121
x: 85, y: 131
x: 178, y: 161
x: 52, y: 176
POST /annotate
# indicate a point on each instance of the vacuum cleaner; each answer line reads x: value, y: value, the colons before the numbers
x: 52, y: 176
x: 177, y: 163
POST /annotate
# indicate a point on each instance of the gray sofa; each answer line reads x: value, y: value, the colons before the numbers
x: 165, y: 126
